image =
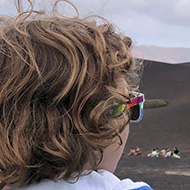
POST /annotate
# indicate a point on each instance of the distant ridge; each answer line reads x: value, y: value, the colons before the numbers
x: 162, y: 54
x: 147, y: 61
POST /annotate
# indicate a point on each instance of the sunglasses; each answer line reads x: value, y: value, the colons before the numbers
x: 135, y: 106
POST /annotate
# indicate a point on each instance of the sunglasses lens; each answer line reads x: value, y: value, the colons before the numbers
x: 135, y: 105
x: 135, y: 112
x: 118, y: 109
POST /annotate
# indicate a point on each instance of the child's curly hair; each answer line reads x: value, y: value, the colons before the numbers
x: 58, y: 80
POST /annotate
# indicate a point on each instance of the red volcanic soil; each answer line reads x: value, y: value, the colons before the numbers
x: 164, y: 127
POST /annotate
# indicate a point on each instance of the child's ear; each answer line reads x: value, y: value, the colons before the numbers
x: 3, y: 186
x: 127, y: 41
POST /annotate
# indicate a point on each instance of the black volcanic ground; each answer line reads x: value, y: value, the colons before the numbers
x: 162, y: 127
x: 167, y: 126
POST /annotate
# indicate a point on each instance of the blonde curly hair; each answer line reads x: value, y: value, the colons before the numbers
x: 58, y: 81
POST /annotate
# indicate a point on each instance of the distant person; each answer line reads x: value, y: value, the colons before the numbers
x: 66, y: 100
x: 168, y: 153
x: 139, y: 151
x: 153, y: 153
x: 176, y: 153
x: 132, y: 152
x: 162, y: 153
x: 157, y: 151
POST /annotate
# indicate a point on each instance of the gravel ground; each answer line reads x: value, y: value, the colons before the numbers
x: 159, y: 173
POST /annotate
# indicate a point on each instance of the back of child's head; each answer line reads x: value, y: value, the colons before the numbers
x: 58, y: 80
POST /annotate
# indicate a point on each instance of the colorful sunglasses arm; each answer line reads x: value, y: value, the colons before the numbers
x: 135, y: 101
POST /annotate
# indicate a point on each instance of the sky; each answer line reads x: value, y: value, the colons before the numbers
x: 164, y: 23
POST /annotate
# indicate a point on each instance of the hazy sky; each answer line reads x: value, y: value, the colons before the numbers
x: 147, y: 22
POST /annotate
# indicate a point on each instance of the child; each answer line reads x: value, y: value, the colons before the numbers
x: 132, y: 152
x: 65, y: 103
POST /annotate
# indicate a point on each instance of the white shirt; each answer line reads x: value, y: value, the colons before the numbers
x: 100, y: 180
x: 153, y: 154
x: 168, y: 154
